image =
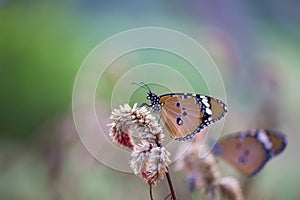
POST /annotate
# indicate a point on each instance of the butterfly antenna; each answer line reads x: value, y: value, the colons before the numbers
x: 145, y: 86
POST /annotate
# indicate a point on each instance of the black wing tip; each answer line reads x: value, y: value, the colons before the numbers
x: 254, y: 173
x: 186, y: 137
x: 284, y: 141
x: 271, y: 154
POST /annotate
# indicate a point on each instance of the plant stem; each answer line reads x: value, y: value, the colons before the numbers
x: 151, y: 197
x: 168, y: 178
x: 171, y: 185
x: 212, y: 193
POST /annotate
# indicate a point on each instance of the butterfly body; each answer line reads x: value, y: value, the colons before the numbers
x: 249, y: 151
x: 185, y: 114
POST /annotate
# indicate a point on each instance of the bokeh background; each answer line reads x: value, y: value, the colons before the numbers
x: 43, y: 43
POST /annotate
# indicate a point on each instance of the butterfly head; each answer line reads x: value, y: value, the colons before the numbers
x: 155, y: 103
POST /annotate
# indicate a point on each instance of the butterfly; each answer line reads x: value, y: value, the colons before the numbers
x: 185, y: 114
x: 249, y: 151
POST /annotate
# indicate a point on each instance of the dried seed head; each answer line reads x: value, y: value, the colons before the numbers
x: 150, y: 162
x: 136, y: 120
x: 139, y: 158
x: 230, y: 189
x: 158, y: 163
x: 121, y: 138
x: 119, y: 130
x: 201, y: 171
x: 208, y: 169
x: 149, y: 159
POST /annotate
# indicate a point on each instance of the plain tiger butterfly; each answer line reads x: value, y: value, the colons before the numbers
x: 249, y: 151
x: 184, y: 114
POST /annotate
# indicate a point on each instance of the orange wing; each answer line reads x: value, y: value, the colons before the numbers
x: 184, y: 115
x: 248, y: 155
x: 278, y: 141
x: 180, y: 116
x: 249, y: 151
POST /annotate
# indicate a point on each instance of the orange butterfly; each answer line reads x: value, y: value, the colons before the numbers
x: 183, y: 114
x: 249, y: 151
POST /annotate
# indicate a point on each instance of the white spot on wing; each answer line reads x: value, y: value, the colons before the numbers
x: 263, y: 138
x: 206, y: 103
x: 208, y: 111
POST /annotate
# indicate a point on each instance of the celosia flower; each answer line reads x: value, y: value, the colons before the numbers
x: 122, y: 122
x: 230, y: 189
x: 122, y: 138
x: 149, y: 159
x: 140, y: 157
x: 158, y: 163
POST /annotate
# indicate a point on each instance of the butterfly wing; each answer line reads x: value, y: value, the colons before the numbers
x: 278, y: 141
x: 218, y: 109
x: 249, y: 151
x: 178, y: 120
x: 184, y: 115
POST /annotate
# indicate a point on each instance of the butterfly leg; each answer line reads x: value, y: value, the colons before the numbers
x: 144, y: 104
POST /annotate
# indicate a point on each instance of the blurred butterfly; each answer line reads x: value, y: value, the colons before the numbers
x: 249, y: 151
x: 183, y: 114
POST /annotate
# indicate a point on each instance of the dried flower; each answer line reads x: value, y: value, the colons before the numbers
x: 200, y: 168
x: 158, y: 163
x: 208, y: 169
x: 140, y: 157
x: 230, y: 189
x: 149, y: 162
x: 137, y: 120
x: 120, y: 128
x: 202, y: 172
x: 149, y: 159
x: 122, y: 138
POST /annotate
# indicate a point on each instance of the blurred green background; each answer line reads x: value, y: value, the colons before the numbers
x: 43, y: 43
